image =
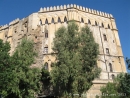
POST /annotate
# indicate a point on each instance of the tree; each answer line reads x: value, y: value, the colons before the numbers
x: 76, y: 54
x: 6, y: 69
x: 119, y: 88
x: 18, y: 78
x: 28, y: 77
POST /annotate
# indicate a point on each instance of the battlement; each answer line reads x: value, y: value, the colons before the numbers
x: 14, y: 21
x: 64, y: 7
x: 4, y: 27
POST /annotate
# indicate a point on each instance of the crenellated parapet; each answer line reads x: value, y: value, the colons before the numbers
x: 14, y: 21
x: 4, y: 27
x: 80, y: 8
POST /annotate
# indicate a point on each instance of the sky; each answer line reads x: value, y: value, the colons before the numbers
x: 120, y: 9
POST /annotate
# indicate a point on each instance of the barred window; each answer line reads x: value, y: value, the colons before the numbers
x: 45, y: 49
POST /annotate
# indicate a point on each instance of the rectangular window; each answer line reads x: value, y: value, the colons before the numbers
x: 107, y: 51
x: 46, y: 50
x: 105, y: 37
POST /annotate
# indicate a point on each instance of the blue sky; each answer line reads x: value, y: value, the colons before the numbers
x: 120, y: 9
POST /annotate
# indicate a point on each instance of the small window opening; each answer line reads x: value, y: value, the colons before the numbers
x: 110, y: 67
x: 82, y: 21
x: 65, y: 19
x: 105, y: 37
x: 108, y: 26
x: 89, y: 22
x: 46, y: 66
x: 96, y: 23
x: 107, y: 51
x: 102, y: 25
x: 59, y: 19
x: 46, y: 22
x: 52, y: 21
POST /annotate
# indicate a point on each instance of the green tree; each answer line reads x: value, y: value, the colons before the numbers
x: 119, y: 88
x: 7, y: 73
x: 76, y: 54
x: 28, y: 78
x: 17, y: 78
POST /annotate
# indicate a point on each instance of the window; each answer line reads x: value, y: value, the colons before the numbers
x: 46, y: 66
x: 112, y: 76
x: 46, y: 34
x: 40, y: 22
x: 89, y: 22
x: 107, y: 51
x: 102, y: 25
x: 46, y: 22
x: 59, y: 19
x: 105, y: 37
x: 65, y: 19
x: 108, y: 26
x: 82, y: 21
x: 96, y: 23
x: 45, y: 49
x: 52, y: 21
x: 110, y: 67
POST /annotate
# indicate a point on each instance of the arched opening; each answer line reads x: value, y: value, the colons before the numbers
x: 59, y: 19
x: 82, y: 21
x: 40, y: 22
x: 108, y: 26
x: 46, y: 22
x: 52, y: 21
x: 110, y: 67
x: 89, y: 22
x: 105, y: 37
x: 65, y: 19
x: 96, y: 23
x: 46, y: 66
x: 102, y: 25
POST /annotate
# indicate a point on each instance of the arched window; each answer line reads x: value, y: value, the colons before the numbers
x: 108, y: 26
x: 82, y: 21
x: 96, y: 23
x: 46, y: 66
x: 110, y: 67
x: 46, y: 22
x: 102, y: 25
x: 105, y: 37
x: 65, y: 19
x: 46, y: 33
x: 89, y: 22
x: 40, y: 22
x: 52, y: 21
x: 112, y: 76
x: 59, y: 19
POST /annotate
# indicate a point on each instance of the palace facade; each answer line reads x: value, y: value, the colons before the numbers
x: 41, y: 27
